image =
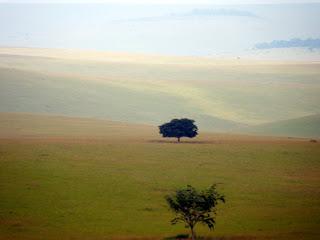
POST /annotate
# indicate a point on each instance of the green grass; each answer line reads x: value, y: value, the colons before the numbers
x: 105, y: 188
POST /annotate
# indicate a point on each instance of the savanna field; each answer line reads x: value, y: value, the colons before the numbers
x: 78, y: 178
x: 81, y: 156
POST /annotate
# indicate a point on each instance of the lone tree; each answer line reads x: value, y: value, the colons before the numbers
x: 192, y: 206
x: 179, y: 128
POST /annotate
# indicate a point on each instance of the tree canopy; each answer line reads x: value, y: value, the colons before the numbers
x: 179, y: 128
x: 192, y: 206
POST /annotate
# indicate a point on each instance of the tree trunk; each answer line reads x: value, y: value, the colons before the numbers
x: 193, y: 234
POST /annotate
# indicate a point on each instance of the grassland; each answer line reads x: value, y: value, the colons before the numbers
x: 73, y: 178
x: 227, y: 95
x: 67, y: 173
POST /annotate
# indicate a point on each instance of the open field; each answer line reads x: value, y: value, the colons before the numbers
x: 68, y: 172
x: 73, y: 178
x: 221, y: 95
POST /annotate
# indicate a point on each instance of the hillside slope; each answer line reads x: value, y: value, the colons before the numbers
x: 26, y: 125
x: 308, y: 126
x: 28, y: 91
x: 221, y: 95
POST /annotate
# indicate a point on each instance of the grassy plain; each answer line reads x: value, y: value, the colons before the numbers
x: 73, y: 178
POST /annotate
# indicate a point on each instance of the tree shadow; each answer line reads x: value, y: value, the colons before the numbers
x: 178, y: 237
x: 185, y: 142
x: 187, y: 237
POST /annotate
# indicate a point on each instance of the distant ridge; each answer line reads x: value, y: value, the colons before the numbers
x: 293, y: 43
x: 308, y: 126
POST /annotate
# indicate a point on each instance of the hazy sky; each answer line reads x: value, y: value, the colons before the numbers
x: 166, y: 1
x: 174, y: 29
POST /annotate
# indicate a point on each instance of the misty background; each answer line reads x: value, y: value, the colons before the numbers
x: 271, y: 31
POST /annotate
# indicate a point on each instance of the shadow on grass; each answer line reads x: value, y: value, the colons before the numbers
x: 187, y: 237
x: 178, y: 237
x: 184, y: 142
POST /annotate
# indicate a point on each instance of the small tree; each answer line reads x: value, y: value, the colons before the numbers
x: 179, y: 128
x: 192, y: 206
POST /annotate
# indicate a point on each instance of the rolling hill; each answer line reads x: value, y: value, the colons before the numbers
x: 221, y: 95
x: 308, y: 126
